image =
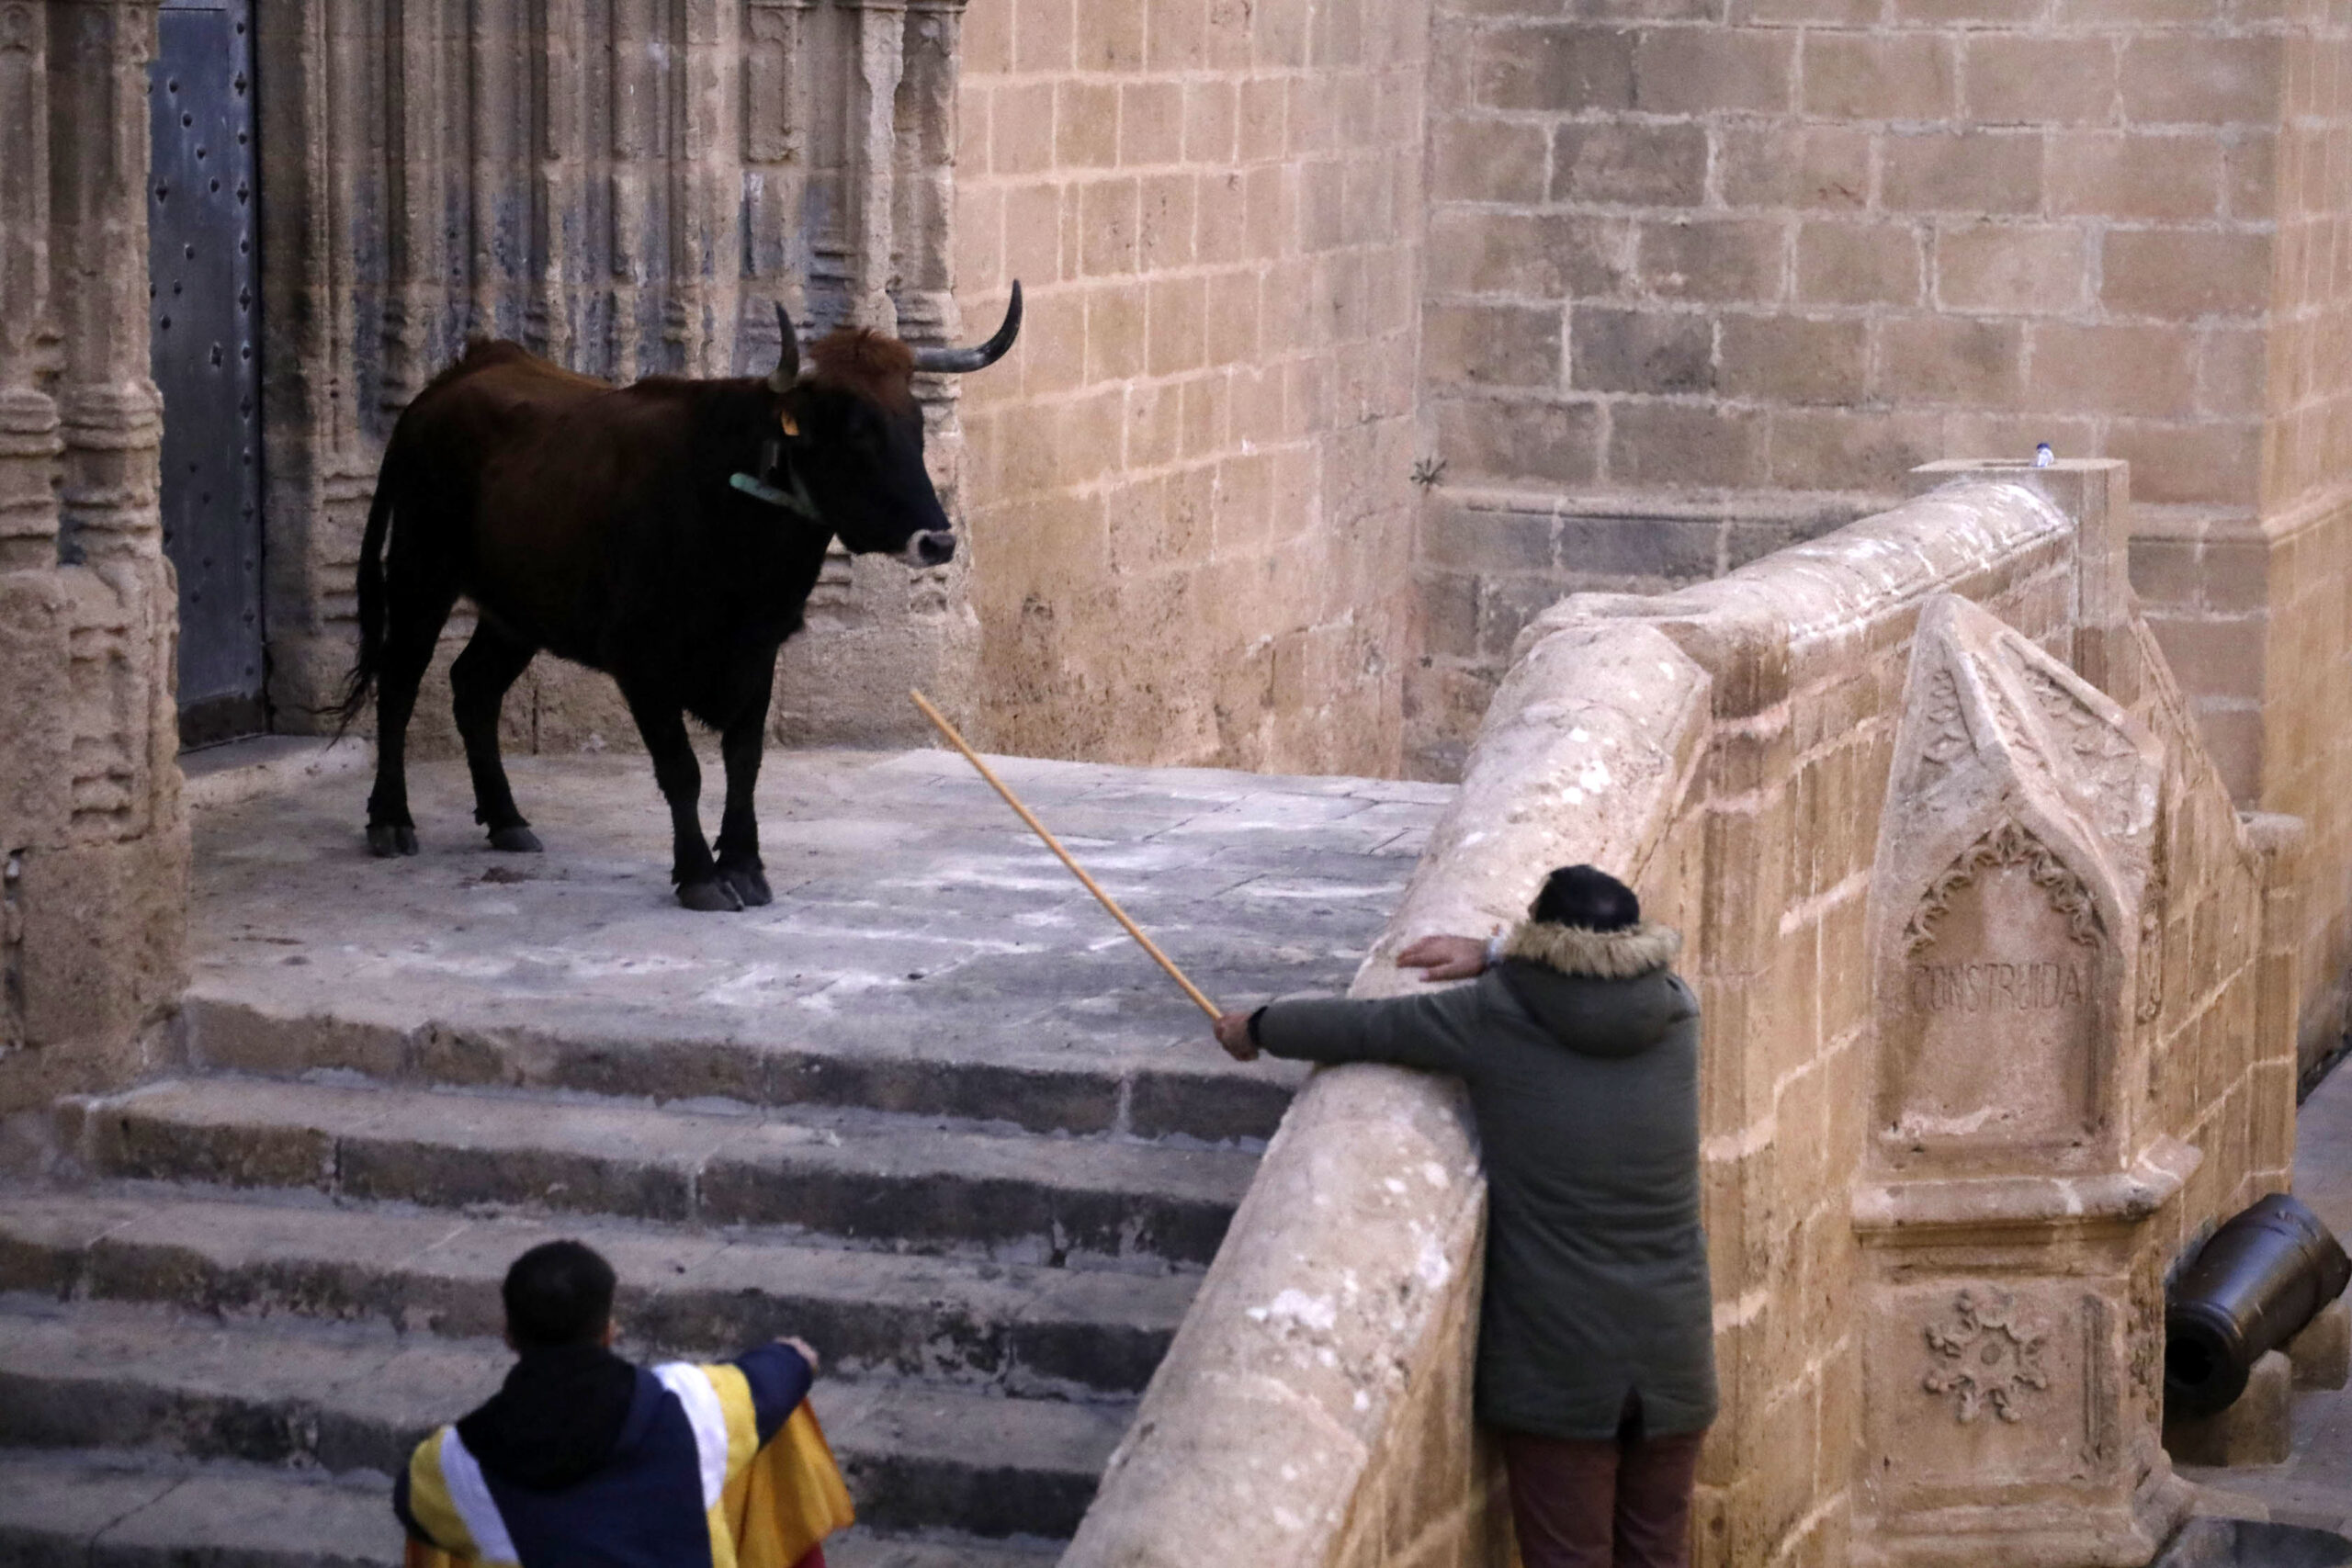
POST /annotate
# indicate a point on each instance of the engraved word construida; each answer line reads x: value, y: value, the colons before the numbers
x: 1987, y: 1354
x: 1996, y: 987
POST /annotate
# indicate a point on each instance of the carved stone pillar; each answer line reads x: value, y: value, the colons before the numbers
x: 93, y: 846
x: 29, y: 439
x: 2012, y: 1264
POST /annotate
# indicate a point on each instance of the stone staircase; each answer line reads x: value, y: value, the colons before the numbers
x: 985, y: 1193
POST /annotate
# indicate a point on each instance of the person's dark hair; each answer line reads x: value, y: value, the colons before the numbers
x: 558, y: 1293
x: 1585, y: 895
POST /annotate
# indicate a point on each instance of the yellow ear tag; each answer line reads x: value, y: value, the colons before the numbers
x: 791, y: 426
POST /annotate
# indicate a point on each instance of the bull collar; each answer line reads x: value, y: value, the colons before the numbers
x: 796, y: 500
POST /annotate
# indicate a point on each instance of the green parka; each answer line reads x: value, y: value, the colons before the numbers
x: 1581, y: 1052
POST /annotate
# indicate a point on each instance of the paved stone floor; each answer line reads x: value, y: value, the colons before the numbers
x: 914, y: 916
x: 2314, y: 1487
x: 931, y: 1110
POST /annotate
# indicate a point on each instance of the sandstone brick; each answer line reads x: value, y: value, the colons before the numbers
x: 1176, y: 326
x: 1971, y: 171
x: 1176, y: 34
x: 1313, y: 116
x: 1165, y: 209
x: 2033, y: 79
x: 1114, y: 333
x: 1771, y: 163
x: 1495, y: 345
x: 1866, y: 76
x: 1640, y: 351
x: 1727, y: 259
x: 2165, y: 573
x: 2112, y: 369
x: 1563, y: 69
x: 1482, y: 542
x: 2135, y: 175
x: 1086, y: 125
x: 1109, y: 215
x: 1968, y: 13
x: 2248, y: 175
x: 1021, y: 127
x: 1264, y: 111
x: 2180, y: 273
x: 1044, y: 35
x: 2213, y: 657
x: 1211, y: 124
x: 1233, y: 318
x: 1154, y: 424
x: 1204, y: 411
x: 1321, y: 204
x: 1712, y: 70
x: 1550, y: 256
x: 1793, y: 12
x: 1151, y: 122
x: 2213, y: 463
x: 1646, y: 165
x: 1684, y: 447
x: 1058, y: 363
x: 1548, y: 443
x: 1109, y: 37
x: 1228, y: 42
x: 1790, y: 359
x: 1855, y: 263
x: 2032, y: 269
x: 987, y: 41
x: 2205, y: 81
x: 2231, y: 367
x: 1950, y: 359
x: 2235, y: 576
x: 1487, y: 160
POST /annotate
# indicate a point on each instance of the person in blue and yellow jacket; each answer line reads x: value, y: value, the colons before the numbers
x: 583, y: 1460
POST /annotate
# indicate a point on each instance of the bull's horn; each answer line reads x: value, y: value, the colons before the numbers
x: 956, y: 361
x: 788, y: 359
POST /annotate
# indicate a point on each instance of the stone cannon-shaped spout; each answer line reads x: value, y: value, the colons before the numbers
x: 2251, y: 1288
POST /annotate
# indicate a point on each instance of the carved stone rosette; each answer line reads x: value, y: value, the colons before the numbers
x: 2008, y: 1191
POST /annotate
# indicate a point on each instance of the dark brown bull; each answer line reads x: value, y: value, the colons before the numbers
x: 666, y: 532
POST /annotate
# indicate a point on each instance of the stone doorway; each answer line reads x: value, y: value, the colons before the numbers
x: 204, y: 315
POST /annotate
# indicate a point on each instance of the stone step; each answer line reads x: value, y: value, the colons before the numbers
x: 1168, y: 1084
x: 870, y: 1178
x: 351, y: 1397
x: 112, y: 1509
x: 118, y: 1510
x: 682, y: 1292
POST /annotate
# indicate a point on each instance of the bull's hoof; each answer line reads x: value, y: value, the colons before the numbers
x: 749, y: 882
x: 385, y: 840
x: 709, y: 897
x: 515, y: 841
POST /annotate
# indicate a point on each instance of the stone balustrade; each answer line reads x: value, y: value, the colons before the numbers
x: 1729, y: 749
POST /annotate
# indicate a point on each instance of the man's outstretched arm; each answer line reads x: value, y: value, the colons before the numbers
x: 1425, y: 1032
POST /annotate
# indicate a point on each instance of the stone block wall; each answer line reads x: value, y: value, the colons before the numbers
x: 1727, y: 748
x: 1189, y: 493
x: 1698, y: 275
x: 93, y: 840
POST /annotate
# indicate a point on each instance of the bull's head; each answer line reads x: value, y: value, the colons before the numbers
x: 851, y: 435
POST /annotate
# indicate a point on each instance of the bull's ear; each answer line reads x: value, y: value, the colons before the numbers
x: 788, y: 359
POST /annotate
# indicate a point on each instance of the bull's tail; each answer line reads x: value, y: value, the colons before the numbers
x: 361, y: 683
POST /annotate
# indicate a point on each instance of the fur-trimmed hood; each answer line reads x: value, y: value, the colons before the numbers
x: 1607, y: 994
x: 1602, y: 955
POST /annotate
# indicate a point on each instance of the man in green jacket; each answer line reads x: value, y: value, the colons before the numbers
x: 1596, y: 1337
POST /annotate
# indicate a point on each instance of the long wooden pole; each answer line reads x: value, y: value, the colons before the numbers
x: 1200, y: 998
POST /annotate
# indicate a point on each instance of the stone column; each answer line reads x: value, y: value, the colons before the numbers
x: 874, y: 159
x: 2013, y: 1188
x: 92, y: 845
